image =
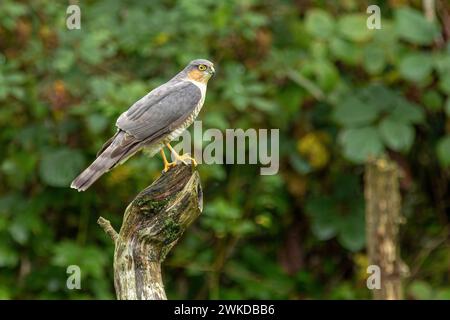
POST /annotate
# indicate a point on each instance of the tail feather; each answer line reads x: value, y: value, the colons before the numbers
x: 109, y: 158
x: 101, y: 165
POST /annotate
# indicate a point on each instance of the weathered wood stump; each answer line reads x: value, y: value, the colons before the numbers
x: 152, y: 224
x: 383, y: 217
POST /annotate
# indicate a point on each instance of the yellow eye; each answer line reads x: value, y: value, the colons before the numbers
x: 202, y: 67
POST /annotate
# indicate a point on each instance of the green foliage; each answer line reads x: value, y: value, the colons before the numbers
x: 420, y: 290
x: 339, y: 93
x: 412, y: 26
x: 375, y: 118
x: 319, y: 23
x: 340, y: 214
x: 58, y: 168
x: 353, y: 27
x: 359, y: 144
x: 416, y: 67
x: 397, y: 135
x: 443, y: 150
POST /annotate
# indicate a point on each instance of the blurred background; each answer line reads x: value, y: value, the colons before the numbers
x: 338, y: 91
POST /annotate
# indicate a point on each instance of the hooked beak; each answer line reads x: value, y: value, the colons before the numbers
x: 212, y: 71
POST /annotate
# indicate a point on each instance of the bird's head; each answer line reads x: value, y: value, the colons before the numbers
x: 200, y: 70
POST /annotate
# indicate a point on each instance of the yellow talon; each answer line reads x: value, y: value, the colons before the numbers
x: 167, y: 164
x: 183, y: 157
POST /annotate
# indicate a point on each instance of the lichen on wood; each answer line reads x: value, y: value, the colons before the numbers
x: 153, y: 223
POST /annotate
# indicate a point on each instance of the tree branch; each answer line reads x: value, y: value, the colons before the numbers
x: 108, y: 228
x: 153, y: 223
x: 383, y: 217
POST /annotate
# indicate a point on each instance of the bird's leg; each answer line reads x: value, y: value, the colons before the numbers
x: 167, y: 164
x: 183, y: 157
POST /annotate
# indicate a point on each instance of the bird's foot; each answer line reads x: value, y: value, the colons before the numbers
x: 168, y: 165
x: 186, y: 159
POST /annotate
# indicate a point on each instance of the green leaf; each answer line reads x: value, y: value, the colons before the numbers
x: 407, y: 112
x: 319, y: 50
x: 447, y: 107
x: 319, y: 23
x: 223, y: 217
x: 19, y: 233
x: 97, y: 123
x: 263, y: 104
x: 352, y: 111
x: 216, y: 120
x: 444, y: 83
x: 374, y: 59
x: 413, y: 27
x: 352, y: 235
x: 441, y: 61
x: 8, y: 256
x: 354, y: 27
x: 59, y: 167
x: 345, y: 50
x: 443, y: 294
x: 433, y: 100
x: 90, y: 259
x: 299, y: 164
x: 361, y: 143
x: 443, y: 151
x: 64, y: 60
x: 416, y: 67
x: 324, y: 221
x: 325, y: 73
x: 397, y: 135
x: 379, y: 96
x: 420, y: 290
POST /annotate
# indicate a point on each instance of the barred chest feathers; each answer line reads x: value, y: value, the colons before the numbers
x: 177, y: 132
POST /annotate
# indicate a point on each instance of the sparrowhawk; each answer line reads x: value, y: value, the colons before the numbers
x: 153, y: 121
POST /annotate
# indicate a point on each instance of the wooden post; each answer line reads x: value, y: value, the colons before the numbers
x: 383, y: 216
x: 153, y: 223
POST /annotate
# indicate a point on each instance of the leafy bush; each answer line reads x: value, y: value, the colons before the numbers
x: 338, y: 91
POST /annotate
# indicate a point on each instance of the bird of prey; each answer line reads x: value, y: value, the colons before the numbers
x: 153, y: 121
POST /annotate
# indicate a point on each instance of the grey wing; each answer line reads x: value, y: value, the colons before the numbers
x: 153, y: 97
x: 158, y: 114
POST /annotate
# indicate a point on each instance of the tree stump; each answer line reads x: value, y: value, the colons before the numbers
x: 152, y: 224
x: 383, y: 216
